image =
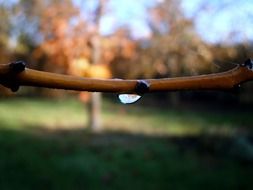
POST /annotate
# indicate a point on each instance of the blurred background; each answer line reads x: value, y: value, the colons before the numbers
x: 56, y: 139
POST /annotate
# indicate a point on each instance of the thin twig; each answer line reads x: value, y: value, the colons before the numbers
x: 16, y: 74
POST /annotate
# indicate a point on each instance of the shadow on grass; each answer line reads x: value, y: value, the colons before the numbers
x: 78, y: 159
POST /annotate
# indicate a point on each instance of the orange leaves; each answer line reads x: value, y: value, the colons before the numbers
x: 79, y: 67
x: 69, y: 42
x: 82, y: 67
x: 99, y: 71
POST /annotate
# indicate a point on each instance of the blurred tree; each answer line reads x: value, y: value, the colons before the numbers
x: 173, y: 49
x: 95, y: 104
x: 68, y: 43
x: 234, y: 44
x: 5, y: 30
x: 175, y: 42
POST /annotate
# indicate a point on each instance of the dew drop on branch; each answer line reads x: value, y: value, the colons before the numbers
x: 129, y: 98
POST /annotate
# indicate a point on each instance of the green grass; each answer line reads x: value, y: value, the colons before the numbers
x: 44, y: 145
x: 69, y: 113
x: 20, y: 113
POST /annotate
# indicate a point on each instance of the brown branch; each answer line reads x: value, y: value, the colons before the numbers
x: 15, y: 74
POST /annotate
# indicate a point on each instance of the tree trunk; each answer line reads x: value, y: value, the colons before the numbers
x: 96, y: 98
x: 95, y: 121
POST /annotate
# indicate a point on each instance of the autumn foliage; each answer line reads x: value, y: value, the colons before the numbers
x: 63, y: 40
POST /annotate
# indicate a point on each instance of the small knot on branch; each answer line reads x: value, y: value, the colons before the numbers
x: 17, y: 67
x: 142, y: 87
x: 248, y: 63
x: 9, y: 79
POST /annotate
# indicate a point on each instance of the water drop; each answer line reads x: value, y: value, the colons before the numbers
x: 129, y: 98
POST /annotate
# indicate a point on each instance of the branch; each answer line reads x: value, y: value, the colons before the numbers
x: 16, y: 74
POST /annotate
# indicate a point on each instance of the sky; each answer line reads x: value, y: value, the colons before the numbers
x: 217, y: 21
x: 222, y: 18
x: 130, y: 13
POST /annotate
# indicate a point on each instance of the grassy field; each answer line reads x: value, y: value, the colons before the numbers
x: 45, y: 144
x: 18, y: 113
